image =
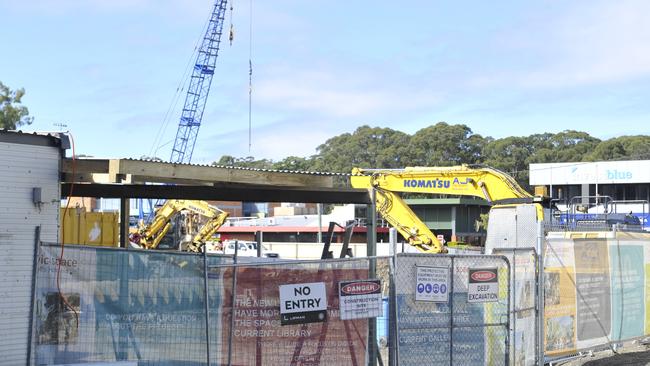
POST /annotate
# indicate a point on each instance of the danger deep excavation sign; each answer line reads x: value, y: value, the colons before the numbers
x: 303, y: 303
x: 483, y: 285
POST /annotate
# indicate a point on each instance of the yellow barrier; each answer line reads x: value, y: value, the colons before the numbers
x: 89, y: 228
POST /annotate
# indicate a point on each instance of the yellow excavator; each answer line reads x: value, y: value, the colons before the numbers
x: 149, y: 236
x: 496, y: 187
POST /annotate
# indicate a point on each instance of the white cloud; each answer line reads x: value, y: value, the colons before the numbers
x: 190, y: 8
x: 592, y: 43
x: 339, y: 95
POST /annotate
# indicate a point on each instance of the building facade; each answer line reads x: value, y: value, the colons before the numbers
x: 608, y: 186
x: 30, y: 197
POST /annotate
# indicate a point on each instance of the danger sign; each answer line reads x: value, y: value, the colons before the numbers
x: 303, y: 303
x: 483, y: 285
x: 360, y: 299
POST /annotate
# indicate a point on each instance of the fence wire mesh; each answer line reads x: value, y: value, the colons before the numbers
x: 442, y: 319
x: 524, y: 312
x: 151, y: 308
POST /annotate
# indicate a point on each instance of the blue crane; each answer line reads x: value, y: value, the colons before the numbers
x: 197, y: 94
x: 199, y: 87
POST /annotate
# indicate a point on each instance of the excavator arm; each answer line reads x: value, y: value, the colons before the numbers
x: 150, y: 236
x: 207, y: 230
x: 493, y: 185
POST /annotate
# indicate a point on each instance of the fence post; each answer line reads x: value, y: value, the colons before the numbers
x: 232, y: 304
x: 30, y: 335
x: 451, y: 313
x: 371, y: 251
x: 392, y: 303
x: 207, y: 304
x: 541, y: 249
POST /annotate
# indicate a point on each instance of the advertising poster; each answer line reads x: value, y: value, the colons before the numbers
x: 120, y: 306
x: 593, y: 286
x: 559, y: 297
x: 628, y: 281
x: 524, y: 279
x: 258, y: 334
x: 62, y: 318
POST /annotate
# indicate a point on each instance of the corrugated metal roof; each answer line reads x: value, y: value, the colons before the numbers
x: 335, y: 174
x: 58, y: 139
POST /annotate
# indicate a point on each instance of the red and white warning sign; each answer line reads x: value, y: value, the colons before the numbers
x: 483, y: 285
x: 360, y: 299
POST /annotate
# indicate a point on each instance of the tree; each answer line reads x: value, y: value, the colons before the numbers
x: 621, y: 148
x: 12, y: 113
x: 511, y: 155
x: 367, y: 147
x: 565, y: 146
x: 247, y: 162
x: 294, y: 163
x: 444, y: 145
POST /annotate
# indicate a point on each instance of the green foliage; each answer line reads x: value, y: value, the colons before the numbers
x: 622, y: 148
x: 247, y: 162
x: 445, y: 145
x: 293, y: 163
x: 367, y: 147
x: 12, y: 113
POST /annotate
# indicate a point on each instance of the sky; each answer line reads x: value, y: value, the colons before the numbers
x: 110, y: 70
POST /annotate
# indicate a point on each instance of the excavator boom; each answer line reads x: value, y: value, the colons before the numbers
x: 494, y: 186
x: 150, y: 236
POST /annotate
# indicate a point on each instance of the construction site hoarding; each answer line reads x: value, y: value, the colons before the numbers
x: 596, y: 290
x: 116, y: 305
x: 253, y: 314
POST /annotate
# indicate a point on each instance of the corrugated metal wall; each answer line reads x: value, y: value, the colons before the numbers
x: 23, y: 167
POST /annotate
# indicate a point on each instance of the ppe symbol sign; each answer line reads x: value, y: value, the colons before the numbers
x: 432, y: 284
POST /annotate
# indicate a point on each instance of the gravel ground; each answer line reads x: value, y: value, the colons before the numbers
x: 636, y: 355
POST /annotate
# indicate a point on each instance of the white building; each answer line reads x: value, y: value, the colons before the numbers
x: 623, y: 185
x: 29, y: 211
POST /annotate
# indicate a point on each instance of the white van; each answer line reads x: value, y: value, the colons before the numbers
x: 246, y: 249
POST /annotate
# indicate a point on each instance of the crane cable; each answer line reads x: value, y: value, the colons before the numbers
x: 64, y: 299
x: 157, y: 142
x: 250, y: 76
x: 231, y: 33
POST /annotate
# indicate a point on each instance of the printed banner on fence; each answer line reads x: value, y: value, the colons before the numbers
x: 596, y: 291
x: 258, y: 334
x: 119, y: 305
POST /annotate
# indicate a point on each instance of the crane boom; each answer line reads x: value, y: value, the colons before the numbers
x: 199, y: 87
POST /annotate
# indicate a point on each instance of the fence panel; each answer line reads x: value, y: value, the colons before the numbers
x: 524, y: 313
x: 595, y: 291
x: 452, y: 309
x: 119, y: 305
x: 248, y: 327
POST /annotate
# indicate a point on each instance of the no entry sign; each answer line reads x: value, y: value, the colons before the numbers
x: 303, y: 303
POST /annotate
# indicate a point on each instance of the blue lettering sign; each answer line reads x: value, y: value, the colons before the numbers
x: 618, y: 174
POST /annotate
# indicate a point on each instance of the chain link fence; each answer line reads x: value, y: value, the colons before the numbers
x: 524, y: 309
x: 452, y: 309
x: 133, y: 307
